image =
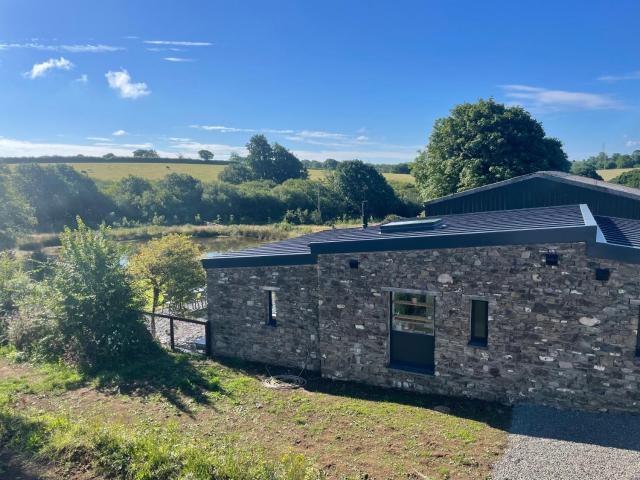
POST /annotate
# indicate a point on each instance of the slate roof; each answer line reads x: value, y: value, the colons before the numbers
x: 535, y: 225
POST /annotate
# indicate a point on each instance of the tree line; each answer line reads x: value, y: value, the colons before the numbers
x: 269, y: 185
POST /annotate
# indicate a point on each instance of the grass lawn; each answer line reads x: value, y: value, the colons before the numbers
x: 613, y: 173
x: 206, y: 173
x: 178, y: 416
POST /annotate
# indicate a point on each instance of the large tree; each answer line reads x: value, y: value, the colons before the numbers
x: 356, y: 182
x: 482, y: 143
x: 264, y: 162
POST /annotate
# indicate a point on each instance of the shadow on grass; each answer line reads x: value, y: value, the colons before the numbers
x: 174, y: 376
x: 493, y: 414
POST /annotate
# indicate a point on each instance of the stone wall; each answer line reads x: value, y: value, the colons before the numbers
x: 238, y: 310
x: 557, y: 336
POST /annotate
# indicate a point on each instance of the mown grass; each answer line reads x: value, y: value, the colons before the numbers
x: 157, y: 171
x: 227, y: 424
x: 610, y: 174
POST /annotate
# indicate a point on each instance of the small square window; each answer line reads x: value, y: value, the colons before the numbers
x: 551, y: 258
x: 479, y: 323
x: 603, y: 274
x: 272, y: 314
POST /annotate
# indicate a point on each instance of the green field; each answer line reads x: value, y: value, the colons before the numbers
x: 205, y: 173
x: 613, y: 172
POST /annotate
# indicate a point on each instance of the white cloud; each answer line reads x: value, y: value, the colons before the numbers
x: 87, y: 48
x: 178, y: 43
x: 40, y: 69
x: 617, y: 78
x: 11, y: 147
x: 632, y: 143
x: 221, y: 128
x: 119, y: 133
x: 99, y: 139
x: 121, y: 81
x: 84, y: 78
x: 555, y: 100
x: 178, y: 59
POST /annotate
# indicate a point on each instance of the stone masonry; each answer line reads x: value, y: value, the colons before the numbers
x: 238, y: 310
x: 557, y: 336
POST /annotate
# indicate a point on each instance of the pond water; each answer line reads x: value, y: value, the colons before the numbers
x: 208, y: 245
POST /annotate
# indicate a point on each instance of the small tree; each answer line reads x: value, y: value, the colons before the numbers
x: 170, y: 267
x: 206, y: 155
x: 16, y: 215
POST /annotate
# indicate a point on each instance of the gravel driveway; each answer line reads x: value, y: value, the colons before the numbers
x: 563, y: 445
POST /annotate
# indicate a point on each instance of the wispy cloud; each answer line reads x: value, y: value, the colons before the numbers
x: 556, y: 100
x: 40, y: 69
x: 178, y: 43
x: 84, y: 78
x: 632, y: 143
x: 221, y: 128
x: 618, y: 78
x: 121, y: 81
x: 99, y: 139
x: 81, y: 48
x: 179, y: 59
x: 119, y: 133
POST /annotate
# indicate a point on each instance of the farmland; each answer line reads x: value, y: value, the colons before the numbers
x: 612, y: 173
x: 205, y: 173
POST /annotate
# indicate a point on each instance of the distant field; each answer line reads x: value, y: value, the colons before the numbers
x: 613, y: 172
x: 205, y: 173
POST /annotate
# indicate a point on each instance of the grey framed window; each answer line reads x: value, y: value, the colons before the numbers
x: 272, y: 310
x: 479, y: 323
x: 412, y: 313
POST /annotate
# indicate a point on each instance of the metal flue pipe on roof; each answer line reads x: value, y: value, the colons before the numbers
x: 365, y: 222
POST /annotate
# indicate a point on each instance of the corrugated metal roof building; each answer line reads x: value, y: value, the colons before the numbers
x: 542, y: 189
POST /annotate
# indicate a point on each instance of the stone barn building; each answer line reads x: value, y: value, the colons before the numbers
x: 498, y: 294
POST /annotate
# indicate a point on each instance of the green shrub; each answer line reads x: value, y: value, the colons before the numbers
x: 93, y: 301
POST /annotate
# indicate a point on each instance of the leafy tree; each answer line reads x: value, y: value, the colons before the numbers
x: 206, y: 155
x: 94, y: 304
x: 264, y: 162
x: 236, y: 173
x: 58, y: 193
x: 13, y: 283
x: 585, y: 170
x: 170, y: 268
x: 108, y: 156
x: 630, y: 179
x: 482, y: 143
x: 180, y: 196
x: 356, y: 182
x: 330, y: 164
x: 134, y: 198
x: 16, y: 216
x: 145, y: 153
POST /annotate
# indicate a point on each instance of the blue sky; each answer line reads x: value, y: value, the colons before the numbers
x: 339, y: 79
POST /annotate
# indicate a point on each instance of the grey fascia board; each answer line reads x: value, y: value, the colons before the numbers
x: 610, y: 251
x: 259, y: 260
x: 460, y: 240
x: 483, y: 188
x: 589, y: 219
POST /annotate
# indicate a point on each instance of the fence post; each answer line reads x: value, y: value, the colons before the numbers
x: 207, y: 339
x: 171, y: 335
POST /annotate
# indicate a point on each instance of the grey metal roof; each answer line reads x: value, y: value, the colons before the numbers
x: 620, y: 231
x: 559, y: 223
x: 599, y: 185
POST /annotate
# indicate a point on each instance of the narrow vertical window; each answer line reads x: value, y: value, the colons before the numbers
x: 638, y: 335
x: 272, y: 313
x: 479, y: 322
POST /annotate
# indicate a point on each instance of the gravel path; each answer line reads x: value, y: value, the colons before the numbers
x: 549, y: 444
